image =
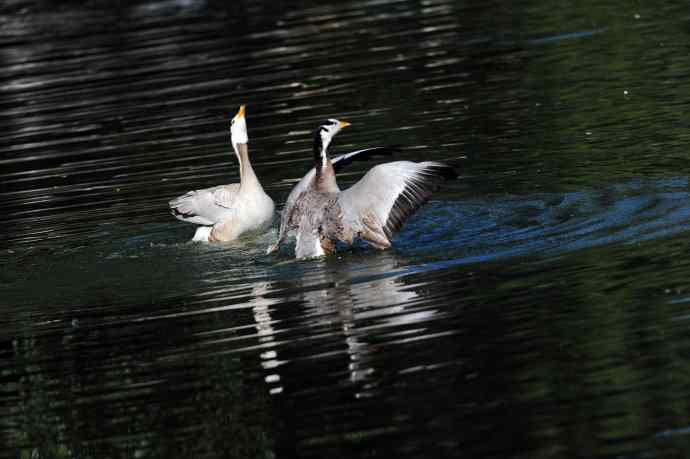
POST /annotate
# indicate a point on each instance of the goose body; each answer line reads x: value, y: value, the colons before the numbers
x: 227, y: 211
x: 339, y: 162
x: 371, y: 210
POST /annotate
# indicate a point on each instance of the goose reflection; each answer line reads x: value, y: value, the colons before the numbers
x: 346, y: 301
x: 261, y: 310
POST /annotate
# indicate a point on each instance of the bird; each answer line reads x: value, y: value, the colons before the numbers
x: 371, y: 210
x: 226, y: 212
x: 339, y: 163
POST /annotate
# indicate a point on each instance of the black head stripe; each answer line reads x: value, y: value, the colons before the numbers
x: 318, y: 143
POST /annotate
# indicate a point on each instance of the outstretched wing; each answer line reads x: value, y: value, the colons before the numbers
x: 388, y: 194
x: 339, y: 162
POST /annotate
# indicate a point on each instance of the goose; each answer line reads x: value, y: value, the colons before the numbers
x: 372, y: 209
x: 226, y: 212
x: 339, y: 162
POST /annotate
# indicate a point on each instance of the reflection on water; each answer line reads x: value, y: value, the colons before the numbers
x: 340, y: 338
x: 538, y: 307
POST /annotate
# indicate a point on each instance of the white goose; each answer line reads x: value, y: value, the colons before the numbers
x: 227, y: 211
x: 371, y: 209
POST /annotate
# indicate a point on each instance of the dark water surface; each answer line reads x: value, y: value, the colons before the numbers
x: 538, y: 307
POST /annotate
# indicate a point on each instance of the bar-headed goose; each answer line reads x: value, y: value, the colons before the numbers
x: 328, y: 129
x: 371, y: 209
x: 227, y: 211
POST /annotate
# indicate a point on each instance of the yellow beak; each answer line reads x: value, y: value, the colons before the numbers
x: 240, y: 112
x: 343, y: 124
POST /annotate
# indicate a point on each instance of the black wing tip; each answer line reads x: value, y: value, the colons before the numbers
x: 179, y: 214
x: 367, y: 153
x: 427, y: 183
x: 442, y: 170
x: 388, y: 149
x: 364, y: 155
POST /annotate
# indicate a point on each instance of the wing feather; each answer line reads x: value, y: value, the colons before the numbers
x: 203, y: 207
x: 226, y: 196
x: 339, y: 162
x: 389, y: 193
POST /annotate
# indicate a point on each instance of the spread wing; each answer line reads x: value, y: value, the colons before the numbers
x: 339, y: 162
x: 205, y: 207
x: 388, y: 194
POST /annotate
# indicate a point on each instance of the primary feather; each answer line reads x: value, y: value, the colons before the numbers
x: 390, y: 193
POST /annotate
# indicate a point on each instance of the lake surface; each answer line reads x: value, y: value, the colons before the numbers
x: 539, y: 306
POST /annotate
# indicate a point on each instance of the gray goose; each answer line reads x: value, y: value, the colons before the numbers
x: 372, y: 209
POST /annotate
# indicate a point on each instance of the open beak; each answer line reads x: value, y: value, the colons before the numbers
x: 343, y: 124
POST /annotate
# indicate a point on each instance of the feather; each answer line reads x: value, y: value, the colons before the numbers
x: 417, y: 191
x: 389, y: 193
x: 339, y: 162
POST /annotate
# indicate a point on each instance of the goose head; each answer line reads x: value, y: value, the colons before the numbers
x: 323, y: 136
x: 238, y: 130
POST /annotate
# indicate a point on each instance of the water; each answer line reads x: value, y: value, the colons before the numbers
x: 537, y: 307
